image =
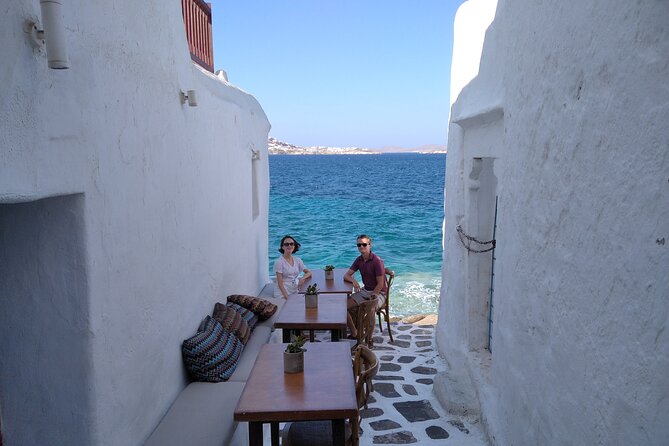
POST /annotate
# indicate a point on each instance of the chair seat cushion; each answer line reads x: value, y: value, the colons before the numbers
x: 211, y: 355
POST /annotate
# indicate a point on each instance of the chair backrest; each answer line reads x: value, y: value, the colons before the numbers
x: 390, y: 277
x: 364, y: 321
x: 365, y: 367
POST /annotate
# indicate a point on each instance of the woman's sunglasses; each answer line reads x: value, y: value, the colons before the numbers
x: 289, y: 244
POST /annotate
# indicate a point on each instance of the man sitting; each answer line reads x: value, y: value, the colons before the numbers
x: 373, y: 273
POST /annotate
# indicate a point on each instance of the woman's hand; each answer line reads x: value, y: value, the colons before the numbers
x: 300, y: 282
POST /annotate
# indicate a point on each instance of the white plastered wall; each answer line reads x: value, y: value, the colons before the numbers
x: 579, y: 339
x: 161, y: 196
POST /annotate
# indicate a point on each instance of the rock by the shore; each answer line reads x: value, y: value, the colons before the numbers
x: 417, y: 319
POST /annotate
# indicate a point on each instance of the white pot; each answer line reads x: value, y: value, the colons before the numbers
x: 329, y: 275
x: 311, y: 300
x: 293, y: 362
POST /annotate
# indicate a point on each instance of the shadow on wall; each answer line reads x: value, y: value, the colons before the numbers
x: 44, y: 332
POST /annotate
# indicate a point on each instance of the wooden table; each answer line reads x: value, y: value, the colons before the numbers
x: 337, y: 285
x: 324, y: 391
x: 330, y: 315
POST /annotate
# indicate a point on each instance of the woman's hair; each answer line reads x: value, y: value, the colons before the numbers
x: 297, y: 244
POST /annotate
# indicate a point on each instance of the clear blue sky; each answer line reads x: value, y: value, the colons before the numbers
x: 365, y: 73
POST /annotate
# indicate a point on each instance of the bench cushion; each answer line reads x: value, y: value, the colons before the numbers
x: 202, y: 415
x: 249, y: 316
x: 212, y: 353
x: 262, y: 307
x: 259, y: 337
x: 279, y: 304
x: 267, y: 291
x: 232, y: 321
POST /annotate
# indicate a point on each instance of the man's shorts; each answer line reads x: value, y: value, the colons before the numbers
x: 364, y: 295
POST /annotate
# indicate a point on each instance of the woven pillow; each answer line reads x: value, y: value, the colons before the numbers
x: 249, y: 316
x: 263, y: 308
x: 232, y: 321
x: 212, y: 354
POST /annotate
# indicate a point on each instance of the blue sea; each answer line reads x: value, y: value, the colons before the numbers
x: 324, y: 201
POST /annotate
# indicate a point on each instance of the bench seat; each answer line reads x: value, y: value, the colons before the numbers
x: 203, y: 412
x: 201, y: 415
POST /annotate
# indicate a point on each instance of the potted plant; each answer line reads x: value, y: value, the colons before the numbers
x: 311, y: 296
x: 329, y: 272
x: 293, y: 356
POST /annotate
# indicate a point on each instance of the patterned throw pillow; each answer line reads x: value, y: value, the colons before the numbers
x: 263, y: 308
x: 232, y: 321
x: 249, y: 316
x: 212, y: 354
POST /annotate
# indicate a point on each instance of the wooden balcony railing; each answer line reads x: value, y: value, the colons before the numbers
x: 197, y: 18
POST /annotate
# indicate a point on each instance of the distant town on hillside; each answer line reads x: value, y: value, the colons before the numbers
x: 282, y: 148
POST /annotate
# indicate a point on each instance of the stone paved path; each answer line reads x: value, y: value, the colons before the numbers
x: 403, y: 409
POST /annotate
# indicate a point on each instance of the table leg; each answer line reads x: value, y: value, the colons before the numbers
x: 275, y: 433
x: 338, y: 432
x: 286, y: 335
x: 312, y: 336
x: 334, y: 335
x: 255, y: 433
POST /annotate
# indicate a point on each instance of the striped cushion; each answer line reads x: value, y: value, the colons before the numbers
x: 232, y: 321
x: 249, y: 316
x: 212, y: 354
x: 263, y: 308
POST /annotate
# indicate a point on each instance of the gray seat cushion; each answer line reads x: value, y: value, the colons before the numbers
x: 259, y: 337
x: 201, y: 415
x: 267, y: 291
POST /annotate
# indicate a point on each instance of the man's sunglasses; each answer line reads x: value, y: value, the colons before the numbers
x: 361, y: 244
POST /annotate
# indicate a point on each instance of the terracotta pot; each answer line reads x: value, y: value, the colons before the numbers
x: 311, y: 300
x: 329, y: 275
x: 293, y: 362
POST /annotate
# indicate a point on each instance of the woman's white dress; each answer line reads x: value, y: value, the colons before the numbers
x: 289, y: 273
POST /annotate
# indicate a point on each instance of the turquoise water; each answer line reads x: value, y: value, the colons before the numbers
x: 324, y: 201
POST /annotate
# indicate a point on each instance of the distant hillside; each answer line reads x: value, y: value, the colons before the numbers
x: 277, y: 147
x: 283, y: 148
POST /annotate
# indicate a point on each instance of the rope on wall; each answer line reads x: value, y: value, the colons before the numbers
x: 468, y: 243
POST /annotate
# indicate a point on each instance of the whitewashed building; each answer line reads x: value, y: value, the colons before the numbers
x: 125, y: 214
x: 565, y: 125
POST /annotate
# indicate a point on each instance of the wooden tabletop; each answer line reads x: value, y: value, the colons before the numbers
x: 337, y: 285
x: 324, y: 391
x: 330, y: 314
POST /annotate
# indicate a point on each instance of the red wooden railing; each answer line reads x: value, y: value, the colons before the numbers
x: 197, y: 18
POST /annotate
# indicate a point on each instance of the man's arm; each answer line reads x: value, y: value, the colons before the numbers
x: 348, y: 277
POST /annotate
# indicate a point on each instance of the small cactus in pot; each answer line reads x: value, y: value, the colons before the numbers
x: 329, y: 272
x: 311, y: 296
x: 293, y: 356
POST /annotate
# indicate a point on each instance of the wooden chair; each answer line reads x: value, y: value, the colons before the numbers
x: 385, y: 308
x: 364, y: 320
x: 319, y: 433
x: 365, y: 367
